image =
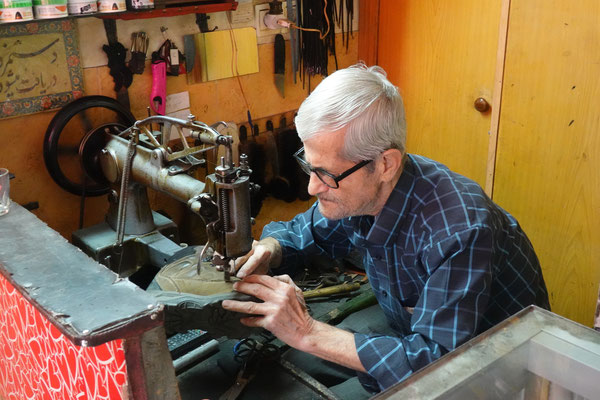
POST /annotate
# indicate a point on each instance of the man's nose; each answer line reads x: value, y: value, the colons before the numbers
x: 315, y: 185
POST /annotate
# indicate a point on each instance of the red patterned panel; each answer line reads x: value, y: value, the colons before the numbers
x: 39, y: 362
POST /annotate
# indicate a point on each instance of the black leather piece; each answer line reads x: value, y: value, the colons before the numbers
x: 279, y: 54
x: 184, y: 311
x: 256, y: 160
x: 288, y: 143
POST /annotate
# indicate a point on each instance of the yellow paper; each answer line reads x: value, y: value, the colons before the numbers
x: 227, y: 53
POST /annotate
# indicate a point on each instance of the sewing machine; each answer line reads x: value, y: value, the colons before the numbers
x: 156, y: 153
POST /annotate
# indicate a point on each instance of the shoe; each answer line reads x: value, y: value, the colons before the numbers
x: 185, y: 311
x: 182, y: 276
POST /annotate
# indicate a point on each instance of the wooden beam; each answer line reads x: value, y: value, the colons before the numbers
x: 497, y: 97
x: 368, y: 31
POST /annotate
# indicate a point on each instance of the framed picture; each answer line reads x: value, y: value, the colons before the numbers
x: 40, y: 68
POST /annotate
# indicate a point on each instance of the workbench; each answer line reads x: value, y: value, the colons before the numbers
x: 69, y: 327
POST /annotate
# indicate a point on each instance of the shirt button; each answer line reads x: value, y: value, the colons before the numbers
x: 384, y: 293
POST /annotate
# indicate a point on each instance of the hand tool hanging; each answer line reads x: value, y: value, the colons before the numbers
x: 294, y: 38
x: 280, y: 64
x: 315, y: 49
x: 173, y: 57
x: 167, y: 60
x: 321, y: 16
x: 311, y: 17
x: 116, y: 54
x: 346, y: 26
x: 158, y: 93
x: 139, y: 46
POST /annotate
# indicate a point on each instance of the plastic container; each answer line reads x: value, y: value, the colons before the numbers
x: 45, y: 9
x: 82, y: 7
x: 140, y: 4
x: 111, y: 6
x: 15, y: 11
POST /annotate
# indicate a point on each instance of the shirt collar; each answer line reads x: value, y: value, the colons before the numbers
x: 395, y: 209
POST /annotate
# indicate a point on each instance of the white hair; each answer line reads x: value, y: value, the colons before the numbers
x: 363, y: 101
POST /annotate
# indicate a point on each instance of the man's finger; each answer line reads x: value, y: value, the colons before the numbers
x: 249, y: 266
x: 245, y: 307
x: 255, y: 264
x: 257, y: 322
x: 271, y: 282
x: 257, y: 290
x: 289, y: 281
x: 240, y: 261
x: 285, y: 279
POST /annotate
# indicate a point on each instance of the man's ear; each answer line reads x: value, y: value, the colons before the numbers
x: 391, y: 162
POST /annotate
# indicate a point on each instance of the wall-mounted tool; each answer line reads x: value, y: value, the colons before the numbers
x: 189, y: 49
x: 170, y: 53
x: 294, y: 38
x: 158, y: 93
x: 173, y: 57
x: 280, y: 64
x: 116, y: 54
x: 139, y: 46
x: 202, y: 22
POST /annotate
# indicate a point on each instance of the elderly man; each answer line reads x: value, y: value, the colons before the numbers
x: 430, y: 239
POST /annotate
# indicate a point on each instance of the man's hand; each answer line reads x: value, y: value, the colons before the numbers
x: 264, y: 255
x: 283, y: 311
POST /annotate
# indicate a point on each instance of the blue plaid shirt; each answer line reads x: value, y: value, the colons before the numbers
x: 439, y: 245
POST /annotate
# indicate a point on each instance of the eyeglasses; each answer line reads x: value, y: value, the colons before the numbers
x: 326, y: 177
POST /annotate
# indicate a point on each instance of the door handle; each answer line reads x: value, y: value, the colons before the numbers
x: 481, y: 105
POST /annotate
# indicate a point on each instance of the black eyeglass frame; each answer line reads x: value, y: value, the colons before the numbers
x: 306, y: 167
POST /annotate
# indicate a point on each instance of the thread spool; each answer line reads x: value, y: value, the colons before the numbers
x: 15, y: 11
x: 46, y: 9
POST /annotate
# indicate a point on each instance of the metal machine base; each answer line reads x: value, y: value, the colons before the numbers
x: 155, y: 248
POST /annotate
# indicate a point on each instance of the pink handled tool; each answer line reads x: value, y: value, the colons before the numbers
x: 158, y: 94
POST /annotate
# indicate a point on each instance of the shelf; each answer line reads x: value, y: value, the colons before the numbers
x: 172, y: 11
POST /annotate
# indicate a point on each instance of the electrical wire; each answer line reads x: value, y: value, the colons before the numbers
x: 322, y: 36
x: 237, y: 74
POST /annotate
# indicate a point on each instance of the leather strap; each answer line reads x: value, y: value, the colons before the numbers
x: 116, y: 53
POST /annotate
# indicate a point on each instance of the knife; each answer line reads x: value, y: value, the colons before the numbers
x: 280, y: 63
x: 189, y: 47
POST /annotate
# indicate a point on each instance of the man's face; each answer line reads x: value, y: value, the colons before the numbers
x: 357, y: 193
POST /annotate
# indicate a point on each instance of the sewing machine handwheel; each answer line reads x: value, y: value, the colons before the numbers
x: 75, y: 136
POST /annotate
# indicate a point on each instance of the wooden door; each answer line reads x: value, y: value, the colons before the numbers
x: 442, y: 55
x: 548, y: 159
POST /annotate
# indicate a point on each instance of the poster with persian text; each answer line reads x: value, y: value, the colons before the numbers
x: 40, y: 68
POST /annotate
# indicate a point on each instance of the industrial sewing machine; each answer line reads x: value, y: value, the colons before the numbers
x: 157, y: 152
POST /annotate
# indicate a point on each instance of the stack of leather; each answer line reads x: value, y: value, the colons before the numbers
x: 256, y: 160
